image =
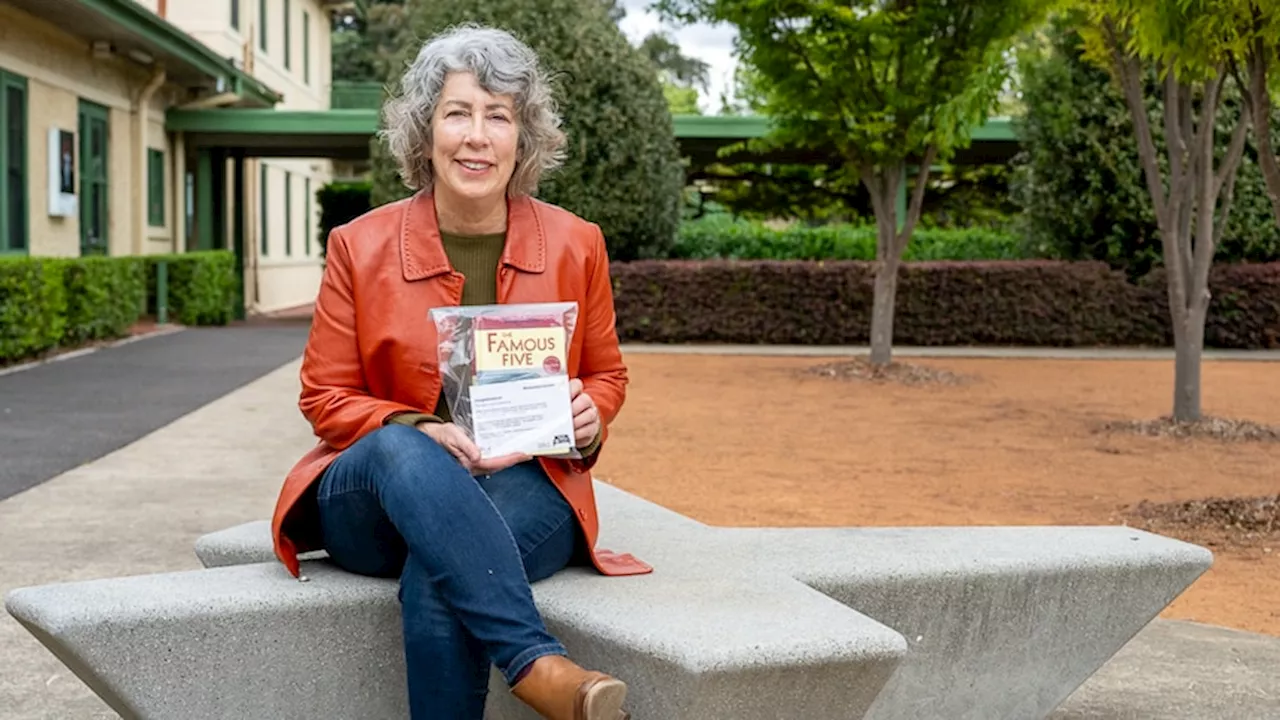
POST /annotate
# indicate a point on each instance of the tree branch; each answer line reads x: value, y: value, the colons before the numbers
x: 1258, y: 101
x: 917, y: 201
x: 1126, y: 69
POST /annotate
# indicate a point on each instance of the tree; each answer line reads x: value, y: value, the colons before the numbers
x: 681, y: 76
x: 623, y: 168
x: 1078, y: 180
x: 1190, y: 46
x: 1252, y: 74
x: 363, y: 38
x: 884, y: 83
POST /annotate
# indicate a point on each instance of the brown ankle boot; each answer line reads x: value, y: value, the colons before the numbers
x: 558, y: 689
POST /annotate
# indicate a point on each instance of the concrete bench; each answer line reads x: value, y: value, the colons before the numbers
x: 735, y: 623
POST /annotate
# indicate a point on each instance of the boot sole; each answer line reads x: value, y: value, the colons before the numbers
x: 603, y: 700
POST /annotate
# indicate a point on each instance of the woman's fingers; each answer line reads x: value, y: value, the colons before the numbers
x: 587, y: 416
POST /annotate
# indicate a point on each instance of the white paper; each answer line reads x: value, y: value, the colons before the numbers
x: 531, y: 416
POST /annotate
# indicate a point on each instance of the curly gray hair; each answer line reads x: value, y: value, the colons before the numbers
x: 502, y: 65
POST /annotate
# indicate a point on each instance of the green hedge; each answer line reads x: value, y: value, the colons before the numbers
x: 202, y: 286
x: 723, y: 237
x: 104, y: 296
x: 1030, y: 303
x: 33, y: 306
x: 62, y: 302
x: 340, y: 203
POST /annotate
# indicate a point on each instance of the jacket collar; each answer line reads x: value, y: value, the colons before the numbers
x: 422, y: 252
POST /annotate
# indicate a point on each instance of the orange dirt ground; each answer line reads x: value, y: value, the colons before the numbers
x: 754, y: 441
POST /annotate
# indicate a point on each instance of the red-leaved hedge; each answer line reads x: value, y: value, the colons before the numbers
x: 1038, y: 303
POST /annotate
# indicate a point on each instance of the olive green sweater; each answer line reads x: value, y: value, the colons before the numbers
x: 476, y: 257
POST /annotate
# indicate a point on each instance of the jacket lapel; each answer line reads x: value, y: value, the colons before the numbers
x: 422, y: 252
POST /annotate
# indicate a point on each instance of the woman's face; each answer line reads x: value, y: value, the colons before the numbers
x: 474, y: 138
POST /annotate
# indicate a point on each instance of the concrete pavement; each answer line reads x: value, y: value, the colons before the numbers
x: 139, y: 509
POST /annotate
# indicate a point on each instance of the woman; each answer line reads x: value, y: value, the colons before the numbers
x: 396, y: 490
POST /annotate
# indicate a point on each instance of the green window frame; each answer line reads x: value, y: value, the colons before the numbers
x: 306, y: 223
x: 155, y: 187
x: 288, y: 44
x: 288, y: 214
x: 262, y: 24
x: 262, y: 209
x: 14, y: 173
x: 306, y: 47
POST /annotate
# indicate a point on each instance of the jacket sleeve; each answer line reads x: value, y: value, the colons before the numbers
x: 603, y: 373
x: 335, y: 398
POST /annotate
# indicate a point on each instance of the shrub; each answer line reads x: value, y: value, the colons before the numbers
x: 33, y: 306
x: 341, y: 202
x: 722, y: 236
x: 623, y: 167
x: 104, y: 296
x: 1032, y: 303
x: 202, y: 286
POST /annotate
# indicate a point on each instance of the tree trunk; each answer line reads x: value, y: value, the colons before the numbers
x: 884, y: 300
x: 882, y: 182
x: 1188, y: 342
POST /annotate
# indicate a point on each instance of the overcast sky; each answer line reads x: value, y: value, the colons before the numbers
x: 713, y: 45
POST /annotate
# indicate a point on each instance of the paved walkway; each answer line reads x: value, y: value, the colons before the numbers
x: 139, y: 508
x: 58, y: 415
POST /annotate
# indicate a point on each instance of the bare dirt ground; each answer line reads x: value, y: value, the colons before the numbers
x: 767, y: 441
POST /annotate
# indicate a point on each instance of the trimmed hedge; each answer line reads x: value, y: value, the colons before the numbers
x: 1035, y: 303
x: 33, y: 306
x: 50, y: 302
x: 723, y: 237
x: 104, y: 296
x: 202, y: 286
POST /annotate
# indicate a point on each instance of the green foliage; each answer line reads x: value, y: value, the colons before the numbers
x: 1021, y: 303
x: 720, y: 236
x: 33, y: 306
x: 105, y: 295
x: 878, y: 82
x: 341, y: 202
x: 1079, y: 181
x: 202, y: 286
x: 623, y: 168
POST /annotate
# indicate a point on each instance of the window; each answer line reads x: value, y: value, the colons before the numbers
x: 306, y: 213
x: 262, y: 207
x: 262, y: 24
x: 306, y: 48
x: 155, y: 187
x: 235, y: 14
x: 288, y: 44
x: 288, y: 214
x: 13, y: 163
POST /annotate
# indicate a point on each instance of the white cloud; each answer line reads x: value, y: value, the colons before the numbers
x: 713, y: 44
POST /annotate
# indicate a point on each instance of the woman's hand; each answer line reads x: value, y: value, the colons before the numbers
x: 586, y: 418
x: 452, y: 438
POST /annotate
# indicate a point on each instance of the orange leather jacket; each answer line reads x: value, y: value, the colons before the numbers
x: 372, y: 348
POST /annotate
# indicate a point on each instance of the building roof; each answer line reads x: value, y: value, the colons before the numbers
x: 130, y: 31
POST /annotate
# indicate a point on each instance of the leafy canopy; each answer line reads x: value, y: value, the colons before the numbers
x: 878, y: 81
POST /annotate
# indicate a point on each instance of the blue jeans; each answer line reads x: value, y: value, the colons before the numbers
x: 395, y: 503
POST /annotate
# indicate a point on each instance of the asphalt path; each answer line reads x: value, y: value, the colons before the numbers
x: 62, y: 414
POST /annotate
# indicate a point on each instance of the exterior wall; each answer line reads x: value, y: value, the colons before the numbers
x: 275, y: 279
x: 60, y: 73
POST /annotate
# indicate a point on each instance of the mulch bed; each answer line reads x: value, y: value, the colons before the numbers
x: 861, y: 369
x: 1211, y: 428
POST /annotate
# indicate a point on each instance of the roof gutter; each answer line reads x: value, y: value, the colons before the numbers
x: 173, y: 41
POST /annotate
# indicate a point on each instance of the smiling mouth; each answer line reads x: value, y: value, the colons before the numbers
x: 474, y: 166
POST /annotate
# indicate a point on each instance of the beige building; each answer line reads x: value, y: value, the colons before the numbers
x: 91, y: 166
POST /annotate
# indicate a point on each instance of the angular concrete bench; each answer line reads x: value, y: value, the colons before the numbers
x: 735, y: 623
